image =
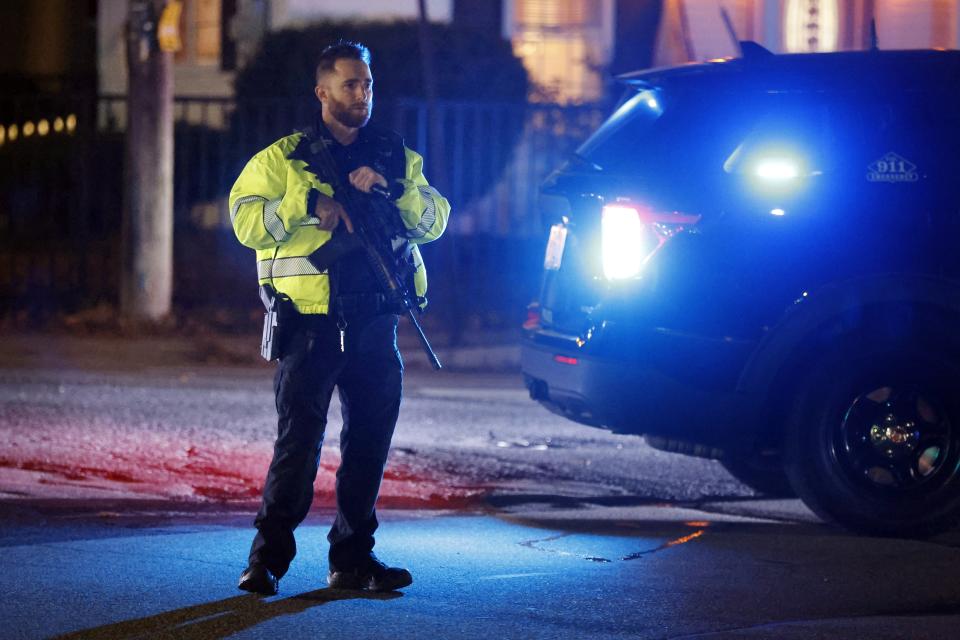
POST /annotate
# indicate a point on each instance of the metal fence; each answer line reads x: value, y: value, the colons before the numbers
x: 61, y: 184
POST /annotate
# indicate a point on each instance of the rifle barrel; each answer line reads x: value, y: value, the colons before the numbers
x: 431, y: 355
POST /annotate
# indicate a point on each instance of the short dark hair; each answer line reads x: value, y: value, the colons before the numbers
x: 340, y: 50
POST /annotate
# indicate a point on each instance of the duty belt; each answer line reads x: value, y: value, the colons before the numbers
x: 365, y: 304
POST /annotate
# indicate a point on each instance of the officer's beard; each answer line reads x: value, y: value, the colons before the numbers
x: 350, y: 115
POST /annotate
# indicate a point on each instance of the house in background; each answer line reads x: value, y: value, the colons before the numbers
x: 693, y: 29
x: 570, y: 47
x: 565, y: 44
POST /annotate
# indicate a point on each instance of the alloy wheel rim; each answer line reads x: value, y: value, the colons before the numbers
x: 897, y: 440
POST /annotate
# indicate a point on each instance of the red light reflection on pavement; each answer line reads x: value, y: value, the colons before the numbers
x: 51, y: 459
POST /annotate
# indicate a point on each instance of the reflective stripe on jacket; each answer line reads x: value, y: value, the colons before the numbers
x: 268, y: 210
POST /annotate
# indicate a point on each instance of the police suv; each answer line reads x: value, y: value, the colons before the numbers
x: 756, y: 260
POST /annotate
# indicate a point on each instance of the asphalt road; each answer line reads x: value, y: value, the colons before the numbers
x: 597, y: 572
x: 127, y: 492
x: 190, y: 432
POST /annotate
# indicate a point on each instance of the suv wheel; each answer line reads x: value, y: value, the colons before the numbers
x: 874, y: 442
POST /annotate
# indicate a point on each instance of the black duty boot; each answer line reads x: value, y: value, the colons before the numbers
x: 258, y: 579
x: 373, y: 575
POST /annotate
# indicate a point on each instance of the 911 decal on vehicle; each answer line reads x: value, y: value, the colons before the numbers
x: 892, y: 168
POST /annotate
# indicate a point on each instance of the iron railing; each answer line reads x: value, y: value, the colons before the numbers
x: 61, y: 184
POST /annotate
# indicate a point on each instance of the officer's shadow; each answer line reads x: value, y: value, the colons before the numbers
x: 222, y: 618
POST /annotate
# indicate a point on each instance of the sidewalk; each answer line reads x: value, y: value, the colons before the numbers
x: 498, y: 351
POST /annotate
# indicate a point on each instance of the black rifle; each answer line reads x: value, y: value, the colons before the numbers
x: 380, y: 233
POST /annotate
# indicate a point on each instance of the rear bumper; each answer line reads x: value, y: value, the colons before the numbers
x: 643, y: 381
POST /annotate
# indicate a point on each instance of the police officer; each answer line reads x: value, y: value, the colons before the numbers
x: 344, y: 334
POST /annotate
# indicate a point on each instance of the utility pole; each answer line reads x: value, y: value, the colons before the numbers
x: 146, y: 284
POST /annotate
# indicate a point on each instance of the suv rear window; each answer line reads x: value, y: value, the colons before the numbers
x: 659, y: 133
x: 686, y: 136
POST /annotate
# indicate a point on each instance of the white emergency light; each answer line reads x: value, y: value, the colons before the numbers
x: 632, y: 233
x: 623, y: 239
x: 777, y: 169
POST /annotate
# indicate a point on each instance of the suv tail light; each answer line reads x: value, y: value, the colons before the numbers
x: 631, y: 234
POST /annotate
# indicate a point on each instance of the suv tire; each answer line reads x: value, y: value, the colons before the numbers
x: 874, y: 441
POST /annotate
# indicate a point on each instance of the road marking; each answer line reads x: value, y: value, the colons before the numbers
x: 535, y: 544
x: 532, y: 544
x: 666, y: 545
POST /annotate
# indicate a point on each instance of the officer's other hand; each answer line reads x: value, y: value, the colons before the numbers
x: 364, y: 178
x: 330, y: 212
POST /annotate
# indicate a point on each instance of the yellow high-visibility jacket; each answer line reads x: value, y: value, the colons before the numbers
x: 268, y: 209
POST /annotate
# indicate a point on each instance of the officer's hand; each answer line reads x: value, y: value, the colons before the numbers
x: 330, y: 212
x: 364, y: 178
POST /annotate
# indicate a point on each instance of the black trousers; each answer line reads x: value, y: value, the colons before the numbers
x: 368, y: 376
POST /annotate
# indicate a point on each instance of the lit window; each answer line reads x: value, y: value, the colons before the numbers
x: 13, y: 132
x: 3, y: 134
x: 28, y: 129
x: 71, y: 123
x: 43, y: 127
x: 811, y: 26
x: 208, y: 31
x: 200, y: 28
x: 58, y: 125
x: 917, y: 24
x: 561, y: 43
